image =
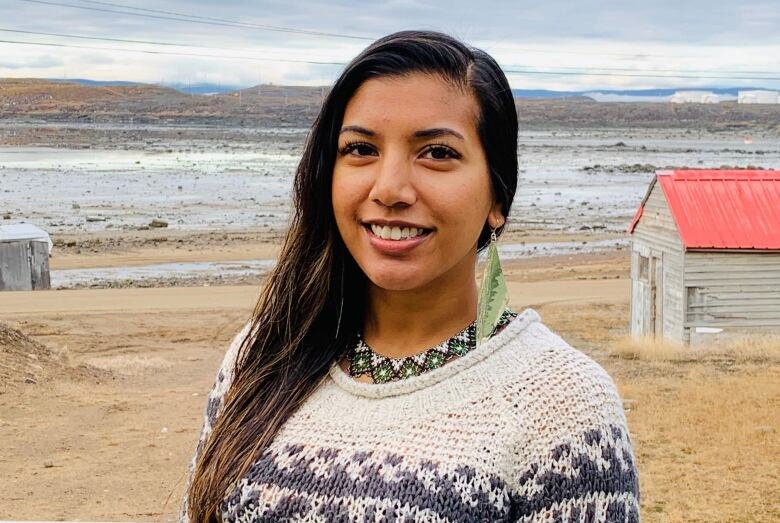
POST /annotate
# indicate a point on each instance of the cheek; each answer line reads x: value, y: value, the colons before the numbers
x: 463, y: 206
x: 346, y: 196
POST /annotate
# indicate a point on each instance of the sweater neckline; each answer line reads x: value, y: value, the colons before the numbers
x: 426, y: 379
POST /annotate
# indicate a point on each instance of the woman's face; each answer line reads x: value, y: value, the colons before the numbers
x: 411, y: 190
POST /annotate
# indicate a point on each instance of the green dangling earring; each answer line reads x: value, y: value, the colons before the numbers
x: 493, y: 294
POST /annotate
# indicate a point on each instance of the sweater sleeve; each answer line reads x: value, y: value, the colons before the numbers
x: 215, y: 397
x: 574, y: 461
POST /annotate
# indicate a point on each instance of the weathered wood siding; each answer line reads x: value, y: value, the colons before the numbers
x: 733, y: 289
x: 640, y: 296
x: 24, y: 266
x: 656, y: 238
x: 14, y: 267
x: 39, y: 265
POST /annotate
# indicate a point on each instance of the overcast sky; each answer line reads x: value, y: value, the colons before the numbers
x: 631, y: 38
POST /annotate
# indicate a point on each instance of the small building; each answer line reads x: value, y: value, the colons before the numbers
x: 705, y: 255
x: 758, y: 97
x: 24, y: 257
x: 697, y: 97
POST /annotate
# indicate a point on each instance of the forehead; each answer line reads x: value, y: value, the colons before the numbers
x: 412, y: 102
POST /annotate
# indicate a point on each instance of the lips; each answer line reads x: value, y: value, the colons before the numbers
x: 395, y: 247
x: 387, y: 232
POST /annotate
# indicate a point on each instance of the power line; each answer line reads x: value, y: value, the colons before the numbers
x: 173, y: 53
x: 633, y: 56
x: 223, y: 20
x: 183, y: 17
x: 107, y: 39
x: 506, y: 66
x: 203, y: 20
x: 509, y: 69
x: 123, y: 40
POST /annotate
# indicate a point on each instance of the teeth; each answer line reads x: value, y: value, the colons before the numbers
x: 395, y: 233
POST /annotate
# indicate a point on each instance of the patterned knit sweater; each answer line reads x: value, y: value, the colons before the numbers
x: 522, y: 428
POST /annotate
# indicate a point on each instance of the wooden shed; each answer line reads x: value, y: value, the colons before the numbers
x: 24, y: 257
x: 705, y: 255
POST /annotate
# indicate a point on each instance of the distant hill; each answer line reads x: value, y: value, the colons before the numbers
x: 77, y: 101
x: 203, y: 88
x: 94, y: 83
x: 297, y: 106
x: 187, y: 88
x: 212, y: 88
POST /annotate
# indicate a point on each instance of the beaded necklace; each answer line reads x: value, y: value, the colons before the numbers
x: 363, y: 360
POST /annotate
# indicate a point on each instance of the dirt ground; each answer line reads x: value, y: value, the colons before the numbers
x: 115, y: 446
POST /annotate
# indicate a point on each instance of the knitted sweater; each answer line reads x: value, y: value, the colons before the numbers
x: 522, y: 428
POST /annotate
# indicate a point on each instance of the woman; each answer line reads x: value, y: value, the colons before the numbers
x: 357, y: 392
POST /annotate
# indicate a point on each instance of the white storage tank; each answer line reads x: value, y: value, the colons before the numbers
x: 697, y: 97
x: 758, y: 97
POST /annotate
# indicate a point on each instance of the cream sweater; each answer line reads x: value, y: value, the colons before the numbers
x: 523, y: 428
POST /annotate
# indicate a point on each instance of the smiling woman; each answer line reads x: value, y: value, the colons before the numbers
x: 358, y: 392
x: 409, y: 158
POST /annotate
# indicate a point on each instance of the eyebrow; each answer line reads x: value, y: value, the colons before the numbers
x: 357, y: 129
x: 425, y: 133
x: 436, y: 132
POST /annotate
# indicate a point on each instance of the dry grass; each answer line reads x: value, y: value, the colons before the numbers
x: 707, y: 445
x: 747, y: 349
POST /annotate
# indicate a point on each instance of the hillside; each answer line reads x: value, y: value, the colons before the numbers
x: 297, y: 106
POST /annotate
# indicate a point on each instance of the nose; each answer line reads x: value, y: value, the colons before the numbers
x: 393, y: 185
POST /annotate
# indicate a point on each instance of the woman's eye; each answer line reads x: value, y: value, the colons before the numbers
x: 439, y: 152
x: 358, y: 149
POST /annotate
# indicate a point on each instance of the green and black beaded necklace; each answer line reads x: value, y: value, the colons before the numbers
x: 363, y: 360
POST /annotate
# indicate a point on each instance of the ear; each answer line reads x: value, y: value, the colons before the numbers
x: 495, y: 217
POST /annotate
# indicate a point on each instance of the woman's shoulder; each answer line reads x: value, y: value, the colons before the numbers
x: 569, y: 432
x: 226, y: 368
x: 224, y: 377
x: 540, y: 357
x: 554, y: 389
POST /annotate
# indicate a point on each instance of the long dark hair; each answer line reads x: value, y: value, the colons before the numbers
x: 312, y: 303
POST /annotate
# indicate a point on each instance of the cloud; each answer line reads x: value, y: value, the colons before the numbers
x: 40, y: 62
x: 94, y: 58
x: 628, y: 34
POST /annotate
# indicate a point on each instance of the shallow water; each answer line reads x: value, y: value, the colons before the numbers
x: 556, y: 193
x: 65, y: 278
x: 107, y: 276
x: 63, y: 190
x: 215, y: 185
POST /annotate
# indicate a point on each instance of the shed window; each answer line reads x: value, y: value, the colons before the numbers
x: 644, y: 268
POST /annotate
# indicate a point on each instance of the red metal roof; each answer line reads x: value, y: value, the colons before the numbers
x: 722, y: 209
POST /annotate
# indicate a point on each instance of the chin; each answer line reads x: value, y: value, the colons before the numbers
x: 394, y: 279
